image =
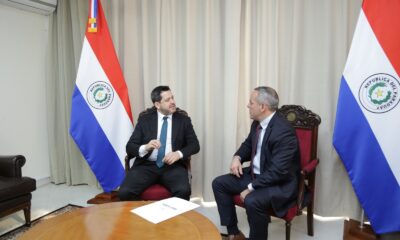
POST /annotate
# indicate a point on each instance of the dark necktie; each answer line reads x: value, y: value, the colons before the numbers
x: 163, y: 140
x: 254, y: 148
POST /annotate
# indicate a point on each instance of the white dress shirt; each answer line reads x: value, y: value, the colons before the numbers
x: 168, y: 148
x: 256, y: 161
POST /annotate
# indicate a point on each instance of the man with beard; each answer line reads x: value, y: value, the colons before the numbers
x: 162, y: 141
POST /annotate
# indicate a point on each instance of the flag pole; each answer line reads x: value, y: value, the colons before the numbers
x: 362, y: 219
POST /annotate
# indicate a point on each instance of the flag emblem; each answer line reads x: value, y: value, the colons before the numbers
x: 379, y: 93
x: 100, y: 95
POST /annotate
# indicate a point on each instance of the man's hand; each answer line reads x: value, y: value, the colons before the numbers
x: 153, y: 144
x: 236, y: 166
x: 244, y: 193
x: 171, y: 157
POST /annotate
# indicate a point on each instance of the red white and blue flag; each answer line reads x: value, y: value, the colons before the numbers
x: 367, y: 125
x: 101, y: 117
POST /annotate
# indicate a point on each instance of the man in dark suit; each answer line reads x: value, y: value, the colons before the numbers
x: 271, y: 181
x: 162, y: 141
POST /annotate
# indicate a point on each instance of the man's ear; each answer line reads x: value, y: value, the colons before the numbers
x: 265, y: 108
x: 157, y: 105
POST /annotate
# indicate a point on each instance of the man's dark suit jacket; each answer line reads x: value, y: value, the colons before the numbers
x: 183, y: 137
x: 279, y: 162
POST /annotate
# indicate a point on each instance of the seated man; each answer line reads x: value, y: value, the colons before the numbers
x: 271, y: 181
x: 161, y: 143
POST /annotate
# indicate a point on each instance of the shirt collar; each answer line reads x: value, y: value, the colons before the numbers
x: 160, y: 116
x: 264, y: 123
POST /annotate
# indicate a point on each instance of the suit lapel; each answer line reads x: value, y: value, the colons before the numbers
x: 153, y: 122
x: 267, y: 133
x: 174, y: 131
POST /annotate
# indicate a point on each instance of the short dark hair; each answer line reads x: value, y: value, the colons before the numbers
x: 156, y: 93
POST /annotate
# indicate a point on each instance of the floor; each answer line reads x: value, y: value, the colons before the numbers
x: 50, y: 197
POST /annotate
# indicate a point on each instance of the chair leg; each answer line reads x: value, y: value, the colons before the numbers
x: 310, y: 220
x: 288, y: 226
x: 27, y: 213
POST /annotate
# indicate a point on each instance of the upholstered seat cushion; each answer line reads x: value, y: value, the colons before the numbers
x: 14, y: 187
x: 155, y: 192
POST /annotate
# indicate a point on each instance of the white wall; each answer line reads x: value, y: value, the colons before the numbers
x: 23, y: 39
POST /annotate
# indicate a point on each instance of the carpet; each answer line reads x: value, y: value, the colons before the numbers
x: 15, y: 233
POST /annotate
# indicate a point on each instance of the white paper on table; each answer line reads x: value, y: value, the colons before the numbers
x: 164, y: 209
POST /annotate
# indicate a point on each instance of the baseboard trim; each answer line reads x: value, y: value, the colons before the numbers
x: 42, y: 181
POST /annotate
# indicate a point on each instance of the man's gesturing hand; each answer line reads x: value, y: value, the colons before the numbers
x: 236, y: 166
x: 244, y: 193
x: 153, y: 144
x: 171, y: 157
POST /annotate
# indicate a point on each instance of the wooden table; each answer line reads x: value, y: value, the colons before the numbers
x: 115, y: 221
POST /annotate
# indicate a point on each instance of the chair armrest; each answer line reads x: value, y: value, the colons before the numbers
x: 127, y: 163
x: 310, y: 166
x: 301, y: 194
x: 10, y: 166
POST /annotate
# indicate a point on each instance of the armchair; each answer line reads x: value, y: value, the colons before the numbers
x: 15, y: 190
x: 306, y: 125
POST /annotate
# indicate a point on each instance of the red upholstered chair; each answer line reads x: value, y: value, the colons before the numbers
x: 157, y: 191
x: 306, y: 124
